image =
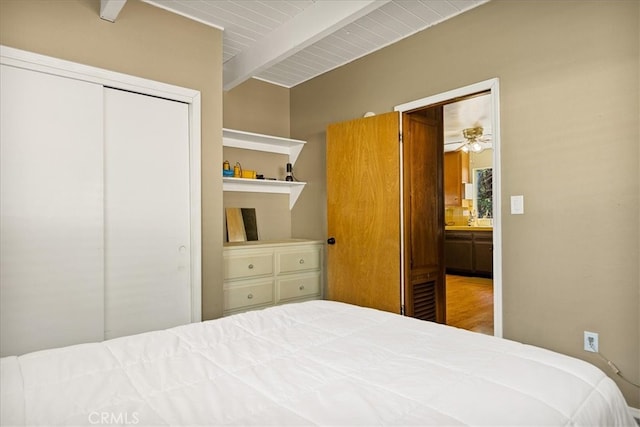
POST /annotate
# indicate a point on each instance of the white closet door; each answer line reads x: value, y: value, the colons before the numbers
x: 51, y: 211
x: 147, y: 236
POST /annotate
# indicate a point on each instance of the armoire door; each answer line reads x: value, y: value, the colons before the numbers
x: 425, y: 294
x: 51, y: 211
x: 363, y: 196
x: 147, y: 213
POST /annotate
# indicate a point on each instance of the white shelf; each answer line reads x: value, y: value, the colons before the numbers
x: 293, y: 188
x: 270, y: 144
x: 259, y: 142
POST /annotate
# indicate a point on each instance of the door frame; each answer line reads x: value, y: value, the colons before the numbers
x: 58, y: 67
x: 493, y: 87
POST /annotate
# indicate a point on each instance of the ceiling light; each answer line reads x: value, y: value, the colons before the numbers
x: 472, y: 135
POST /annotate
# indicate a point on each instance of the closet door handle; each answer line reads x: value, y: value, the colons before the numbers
x: 331, y: 240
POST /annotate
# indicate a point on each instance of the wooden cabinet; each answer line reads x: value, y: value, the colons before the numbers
x: 483, y: 253
x: 458, y: 251
x: 266, y: 143
x: 456, y: 174
x: 258, y: 275
x: 423, y: 215
x: 469, y: 252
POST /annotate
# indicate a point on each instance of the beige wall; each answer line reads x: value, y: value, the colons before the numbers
x: 257, y: 106
x: 569, y: 95
x: 260, y: 107
x: 147, y: 42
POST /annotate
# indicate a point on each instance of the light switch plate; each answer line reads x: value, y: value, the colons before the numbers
x: 517, y: 205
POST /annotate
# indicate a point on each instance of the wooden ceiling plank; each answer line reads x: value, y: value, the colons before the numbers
x: 311, y: 25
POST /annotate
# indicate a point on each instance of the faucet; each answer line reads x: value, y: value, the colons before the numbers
x: 472, y: 218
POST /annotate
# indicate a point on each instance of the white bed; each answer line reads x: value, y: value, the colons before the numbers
x: 312, y: 363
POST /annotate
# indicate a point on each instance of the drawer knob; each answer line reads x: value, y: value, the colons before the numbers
x: 301, y: 260
x: 250, y: 266
x: 250, y: 296
x: 301, y: 287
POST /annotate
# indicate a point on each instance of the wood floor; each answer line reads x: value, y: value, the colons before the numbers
x: 470, y: 303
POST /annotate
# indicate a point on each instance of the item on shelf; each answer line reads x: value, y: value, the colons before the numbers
x: 237, y: 170
x: 249, y: 174
x: 289, y: 172
x: 227, y: 173
x: 241, y: 224
x: 226, y: 166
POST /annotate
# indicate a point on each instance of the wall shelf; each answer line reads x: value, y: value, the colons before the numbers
x: 271, y: 144
x: 259, y: 142
x: 293, y: 188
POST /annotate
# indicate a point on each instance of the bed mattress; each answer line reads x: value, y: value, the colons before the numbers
x: 312, y: 363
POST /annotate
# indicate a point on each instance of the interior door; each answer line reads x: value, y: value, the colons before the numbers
x: 423, y: 158
x: 51, y: 211
x: 147, y: 213
x: 363, y: 197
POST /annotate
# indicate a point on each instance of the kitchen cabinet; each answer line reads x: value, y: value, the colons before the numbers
x: 262, y: 274
x: 483, y: 253
x: 266, y: 143
x: 469, y: 252
x: 456, y: 174
x: 458, y: 251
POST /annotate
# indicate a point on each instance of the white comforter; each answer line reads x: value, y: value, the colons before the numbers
x: 314, y: 363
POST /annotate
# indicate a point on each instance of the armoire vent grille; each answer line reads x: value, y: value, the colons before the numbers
x: 424, y: 301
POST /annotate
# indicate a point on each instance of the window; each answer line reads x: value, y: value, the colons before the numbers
x: 483, y: 192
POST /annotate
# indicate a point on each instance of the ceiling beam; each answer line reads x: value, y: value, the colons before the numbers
x: 309, y: 26
x: 110, y: 9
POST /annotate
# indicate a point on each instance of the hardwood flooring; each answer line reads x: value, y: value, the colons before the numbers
x: 470, y: 303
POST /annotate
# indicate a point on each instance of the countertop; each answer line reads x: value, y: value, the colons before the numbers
x: 466, y: 228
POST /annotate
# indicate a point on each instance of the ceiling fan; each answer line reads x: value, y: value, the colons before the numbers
x: 474, y: 141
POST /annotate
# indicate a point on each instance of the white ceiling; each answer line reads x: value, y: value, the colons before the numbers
x: 467, y: 113
x: 287, y: 42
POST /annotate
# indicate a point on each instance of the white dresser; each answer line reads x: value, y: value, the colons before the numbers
x: 265, y: 273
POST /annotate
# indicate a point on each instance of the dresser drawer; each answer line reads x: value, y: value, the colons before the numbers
x: 307, y: 258
x: 257, y: 293
x: 300, y: 286
x: 248, y: 265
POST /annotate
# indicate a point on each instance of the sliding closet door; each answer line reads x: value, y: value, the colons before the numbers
x: 51, y: 211
x: 147, y: 206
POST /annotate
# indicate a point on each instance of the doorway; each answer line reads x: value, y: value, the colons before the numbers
x: 483, y: 248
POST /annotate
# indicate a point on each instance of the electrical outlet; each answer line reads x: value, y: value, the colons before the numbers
x: 591, y: 341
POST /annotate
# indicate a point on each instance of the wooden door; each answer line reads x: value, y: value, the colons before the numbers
x: 363, y: 199
x: 423, y: 159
